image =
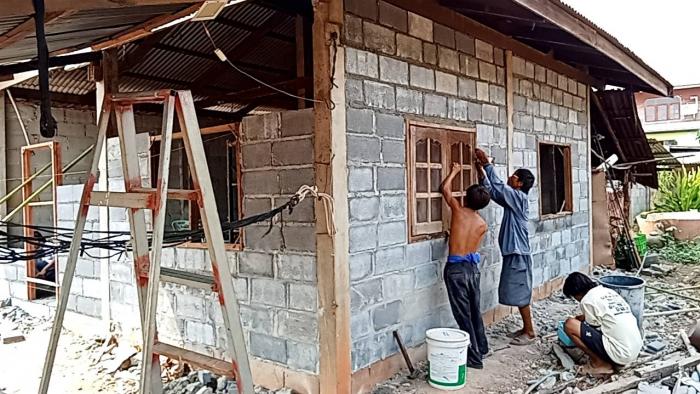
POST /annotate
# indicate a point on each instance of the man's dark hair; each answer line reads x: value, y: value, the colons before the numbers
x: 527, y: 178
x: 578, y: 284
x: 477, y: 197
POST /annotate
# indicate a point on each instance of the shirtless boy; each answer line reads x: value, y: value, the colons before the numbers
x: 462, y: 275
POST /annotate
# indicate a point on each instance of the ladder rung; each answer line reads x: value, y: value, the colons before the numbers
x: 122, y: 199
x: 215, y: 365
x: 186, y: 278
x: 173, y: 194
x: 40, y: 203
x: 154, y: 96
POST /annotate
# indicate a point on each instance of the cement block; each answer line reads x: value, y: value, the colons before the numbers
x: 458, y: 109
x: 379, y: 38
x: 408, y: 101
x: 303, y: 356
x: 444, y: 35
x: 430, y: 53
x: 300, y: 238
x: 297, y: 123
x: 291, y: 180
x: 409, y: 47
x: 393, y: 152
x: 363, y: 238
x: 363, y: 149
x: 386, y: 315
x: 360, y: 266
x: 189, y: 306
x: 420, y: 27
x: 261, y: 182
x: 256, y: 238
x: 497, y: 94
x: 256, y: 155
x: 398, y: 285
x: 393, y: 206
x: 391, y: 178
x: 422, y: 77
x: 390, y: 259
x: 261, y: 127
x: 435, y: 106
x: 364, y: 209
x: 366, y: 293
x: 474, y: 111
x: 490, y: 114
x: 268, y: 347
x: 487, y: 72
x: 393, y: 71
x: 252, y: 206
x: 391, y: 126
x: 257, y: 264
x: 379, y: 95
x: 303, y: 297
x: 296, y: 267
x: 482, y: 91
x: 360, y: 179
x: 426, y: 275
x: 467, y: 88
x: 354, y: 92
x: 448, y: 59
x: 418, y: 253
x: 296, y: 152
x: 257, y: 319
x: 393, y: 17
x: 360, y: 120
x: 484, y: 51
x: 360, y: 324
x: 268, y: 292
x: 465, y: 43
x: 391, y: 233
x: 445, y: 83
x: 89, y: 306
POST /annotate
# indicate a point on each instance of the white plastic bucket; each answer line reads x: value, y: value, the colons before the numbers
x: 447, y: 358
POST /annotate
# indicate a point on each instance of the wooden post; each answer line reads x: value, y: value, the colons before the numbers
x: 300, y: 55
x: 590, y: 178
x: 331, y: 177
x: 3, y: 154
x: 509, y: 110
x: 108, y: 84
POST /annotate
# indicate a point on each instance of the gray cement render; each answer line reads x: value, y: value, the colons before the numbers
x: 434, y: 74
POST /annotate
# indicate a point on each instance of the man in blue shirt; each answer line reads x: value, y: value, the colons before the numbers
x: 515, y: 286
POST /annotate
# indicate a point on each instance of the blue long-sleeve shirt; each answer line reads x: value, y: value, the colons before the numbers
x: 513, y: 235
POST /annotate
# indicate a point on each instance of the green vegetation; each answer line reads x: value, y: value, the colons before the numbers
x: 679, y: 252
x: 679, y: 191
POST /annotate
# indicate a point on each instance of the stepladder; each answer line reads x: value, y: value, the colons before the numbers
x: 146, y: 250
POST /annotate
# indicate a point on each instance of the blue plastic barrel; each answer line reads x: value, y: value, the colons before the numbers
x: 631, y: 288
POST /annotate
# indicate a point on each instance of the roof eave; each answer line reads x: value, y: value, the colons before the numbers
x: 24, y: 7
x: 567, y: 19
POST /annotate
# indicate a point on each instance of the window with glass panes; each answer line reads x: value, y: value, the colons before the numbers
x: 431, y: 152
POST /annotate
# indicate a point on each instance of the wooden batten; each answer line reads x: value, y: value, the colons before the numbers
x: 510, y: 109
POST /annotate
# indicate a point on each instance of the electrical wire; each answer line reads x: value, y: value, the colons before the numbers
x: 220, y: 54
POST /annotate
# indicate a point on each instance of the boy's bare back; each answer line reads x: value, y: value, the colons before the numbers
x: 466, y: 231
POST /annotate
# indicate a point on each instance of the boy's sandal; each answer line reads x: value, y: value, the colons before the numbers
x: 588, y: 369
x: 523, y: 340
x: 516, y: 333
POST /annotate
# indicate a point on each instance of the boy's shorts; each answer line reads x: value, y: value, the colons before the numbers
x: 592, y: 337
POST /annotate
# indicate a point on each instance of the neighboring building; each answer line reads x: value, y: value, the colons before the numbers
x: 674, y: 120
x: 402, y: 90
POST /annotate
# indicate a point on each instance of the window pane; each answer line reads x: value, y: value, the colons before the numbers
x: 553, y: 178
x: 467, y: 178
x: 422, y: 151
x: 650, y: 114
x: 675, y: 111
x: 421, y: 180
x: 435, y: 209
x: 662, y: 112
x: 467, y: 154
x: 421, y: 210
x: 435, y: 152
x: 435, y: 180
x: 454, y: 153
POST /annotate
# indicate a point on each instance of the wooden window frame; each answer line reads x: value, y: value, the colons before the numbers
x: 193, y: 214
x: 447, y: 136
x: 568, y: 179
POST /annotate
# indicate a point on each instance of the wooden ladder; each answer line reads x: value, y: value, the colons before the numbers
x: 147, y: 269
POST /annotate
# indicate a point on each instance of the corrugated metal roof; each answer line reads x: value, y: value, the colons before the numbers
x: 621, y: 111
x: 81, y: 29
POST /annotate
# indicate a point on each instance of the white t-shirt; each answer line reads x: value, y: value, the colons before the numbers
x: 604, y: 308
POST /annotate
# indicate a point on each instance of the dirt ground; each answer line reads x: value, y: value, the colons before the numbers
x: 508, y: 369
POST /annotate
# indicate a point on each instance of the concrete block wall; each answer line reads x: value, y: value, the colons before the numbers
x: 399, y: 67
x: 550, y: 107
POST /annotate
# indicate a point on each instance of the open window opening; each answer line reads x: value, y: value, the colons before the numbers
x: 555, y: 179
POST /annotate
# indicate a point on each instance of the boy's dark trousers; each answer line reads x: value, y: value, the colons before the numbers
x: 462, y: 281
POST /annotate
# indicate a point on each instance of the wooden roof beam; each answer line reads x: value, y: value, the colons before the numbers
x: 593, y: 36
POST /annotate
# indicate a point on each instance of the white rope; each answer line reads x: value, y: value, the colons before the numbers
x: 328, y: 204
